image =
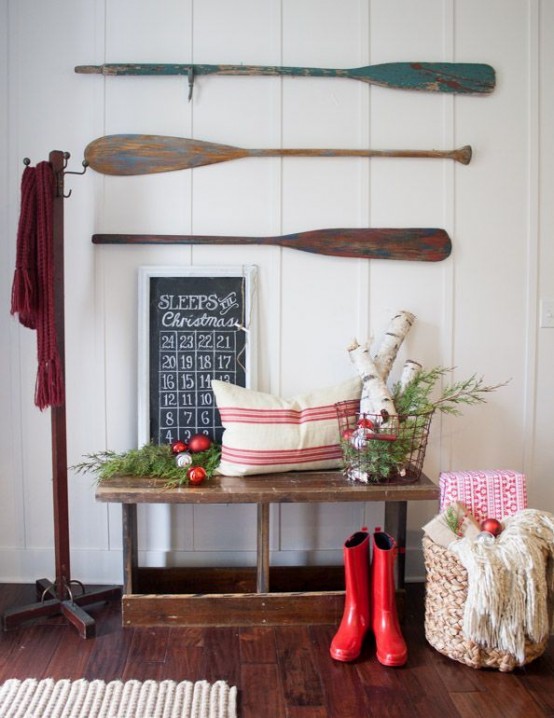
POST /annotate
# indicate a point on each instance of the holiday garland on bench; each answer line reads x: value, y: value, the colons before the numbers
x: 160, y: 461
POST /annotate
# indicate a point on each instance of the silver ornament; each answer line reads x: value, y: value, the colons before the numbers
x: 486, y: 538
x: 358, y: 475
x: 183, y: 459
x: 359, y: 438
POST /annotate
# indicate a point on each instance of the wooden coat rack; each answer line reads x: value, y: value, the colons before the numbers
x: 58, y: 596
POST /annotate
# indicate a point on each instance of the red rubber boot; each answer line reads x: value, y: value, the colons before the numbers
x: 347, y: 643
x: 391, y: 647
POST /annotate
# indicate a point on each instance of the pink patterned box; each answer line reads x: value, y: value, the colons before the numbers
x: 487, y: 494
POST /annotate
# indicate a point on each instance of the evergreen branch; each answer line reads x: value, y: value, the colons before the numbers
x: 416, y: 396
x: 452, y: 520
x: 469, y: 392
x: 151, y: 460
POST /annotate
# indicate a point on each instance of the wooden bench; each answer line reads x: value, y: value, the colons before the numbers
x: 263, y: 595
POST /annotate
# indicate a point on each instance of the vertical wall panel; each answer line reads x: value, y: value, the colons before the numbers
x: 11, y: 508
x: 321, y: 192
x: 541, y: 450
x: 491, y: 209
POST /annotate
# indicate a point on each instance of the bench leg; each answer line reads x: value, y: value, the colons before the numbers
x: 396, y: 514
x: 262, y: 550
x: 130, y: 548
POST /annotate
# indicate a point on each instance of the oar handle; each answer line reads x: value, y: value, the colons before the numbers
x: 268, y: 70
x: 180, y: 239
x: 159, y: 69
x: 462, y: 154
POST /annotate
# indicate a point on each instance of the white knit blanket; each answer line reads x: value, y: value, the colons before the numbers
x: 510, y: 583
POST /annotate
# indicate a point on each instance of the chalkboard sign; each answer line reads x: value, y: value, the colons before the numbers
x: 195, y: 325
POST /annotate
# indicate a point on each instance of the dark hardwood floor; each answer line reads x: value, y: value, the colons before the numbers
x: 280, y: 672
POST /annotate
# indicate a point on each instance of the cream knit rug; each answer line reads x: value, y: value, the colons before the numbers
x: 130, y: 699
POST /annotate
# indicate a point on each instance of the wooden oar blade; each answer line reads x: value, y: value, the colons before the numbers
x: 149, y: 154
x: 457, y: 78
x: 409, y: 244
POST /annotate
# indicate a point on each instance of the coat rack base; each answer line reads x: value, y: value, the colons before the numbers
x: 51, y: 603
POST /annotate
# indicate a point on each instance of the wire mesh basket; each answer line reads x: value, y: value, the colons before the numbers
x: 375, y: 450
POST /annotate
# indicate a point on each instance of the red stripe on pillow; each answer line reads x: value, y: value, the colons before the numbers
x: 252, y: 457
x: 277, y: 416
x: 281, y: 416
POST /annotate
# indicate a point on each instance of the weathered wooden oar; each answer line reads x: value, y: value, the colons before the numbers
x: 452, y: 77
x: 424, y: 245
x: 147, y: 154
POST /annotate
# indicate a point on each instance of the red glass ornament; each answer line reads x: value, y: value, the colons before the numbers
x: 196, y: 475
x: 365, y: 423
x: 493, y: 526
x: 178, y: 447
x: 199, y: 442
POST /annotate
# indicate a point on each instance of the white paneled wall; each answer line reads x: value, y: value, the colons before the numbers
x: 477, y: 311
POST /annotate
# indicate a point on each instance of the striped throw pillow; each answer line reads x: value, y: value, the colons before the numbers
x: 266, y: 434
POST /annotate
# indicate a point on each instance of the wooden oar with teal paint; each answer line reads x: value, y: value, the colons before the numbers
x: 463, y: 78
x: 148, y: 154
x: 414, y: 244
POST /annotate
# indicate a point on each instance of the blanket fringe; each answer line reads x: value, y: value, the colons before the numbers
x: 510, y: 583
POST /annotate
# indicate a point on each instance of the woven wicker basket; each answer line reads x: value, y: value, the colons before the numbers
x: 445, y: 597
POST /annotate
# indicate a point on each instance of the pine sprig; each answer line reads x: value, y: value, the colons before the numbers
x: 151, y: 460
x: 452, y: 520
x: 416, y: 397
x: 469, y: 392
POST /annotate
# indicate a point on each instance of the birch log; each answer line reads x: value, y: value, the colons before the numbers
x: 410, y: 370
x: 399, y: 326
x: 375, y: 398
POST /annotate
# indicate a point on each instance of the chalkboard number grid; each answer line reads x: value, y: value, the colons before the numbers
x: 192, y: 324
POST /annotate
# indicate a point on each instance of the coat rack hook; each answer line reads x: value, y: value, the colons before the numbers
x: 85, y: 165
x: 26, y: 161
x: 67, y: 172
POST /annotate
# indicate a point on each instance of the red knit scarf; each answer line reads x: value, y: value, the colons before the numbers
x: 33, y: 282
